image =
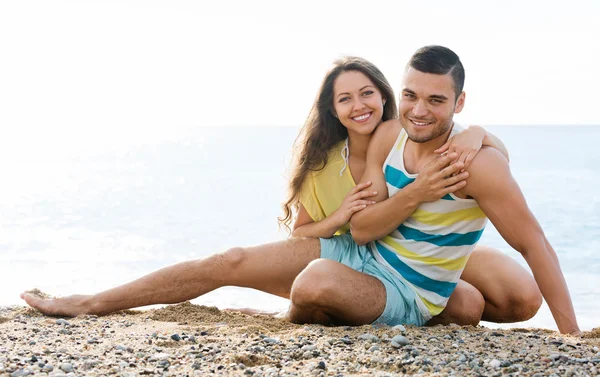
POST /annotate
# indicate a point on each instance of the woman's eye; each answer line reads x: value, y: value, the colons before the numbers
x: 368, y: 93
x: 343, y: 99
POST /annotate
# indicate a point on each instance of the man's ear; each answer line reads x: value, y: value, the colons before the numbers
x: 460, y: 103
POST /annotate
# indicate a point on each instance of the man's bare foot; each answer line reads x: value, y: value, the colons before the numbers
x: 70, y: 306
x: 250, y: 311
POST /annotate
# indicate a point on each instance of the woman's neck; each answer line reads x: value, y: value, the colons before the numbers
x: 358, y: 145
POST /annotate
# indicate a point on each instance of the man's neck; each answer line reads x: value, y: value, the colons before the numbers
x: 418, y: 153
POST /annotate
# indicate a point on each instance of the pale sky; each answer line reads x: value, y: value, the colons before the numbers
x: 84, y: 72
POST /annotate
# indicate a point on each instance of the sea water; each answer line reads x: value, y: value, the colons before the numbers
x: 89, y: 219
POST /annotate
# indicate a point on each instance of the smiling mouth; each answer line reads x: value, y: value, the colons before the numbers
x: 362, y: 118
x: 420, y: 123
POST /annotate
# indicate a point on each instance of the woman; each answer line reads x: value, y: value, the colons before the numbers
x: 332, y: 144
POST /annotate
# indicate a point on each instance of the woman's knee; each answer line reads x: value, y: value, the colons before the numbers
x: 232, y: 258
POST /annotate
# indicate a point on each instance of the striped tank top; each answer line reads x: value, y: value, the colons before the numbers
x: 430, y: 249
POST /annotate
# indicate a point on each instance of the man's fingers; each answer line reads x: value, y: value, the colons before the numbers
x: 455, y: 187
x: 454, y: 168
x: 445, y: 160
x: 456, y: 178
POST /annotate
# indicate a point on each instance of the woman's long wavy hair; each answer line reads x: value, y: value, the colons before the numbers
x: 322, y: 130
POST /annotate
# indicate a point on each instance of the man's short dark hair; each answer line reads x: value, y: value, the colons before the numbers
x: 439, y: 60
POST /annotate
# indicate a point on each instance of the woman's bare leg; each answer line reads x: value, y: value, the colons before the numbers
x: 270, y: 268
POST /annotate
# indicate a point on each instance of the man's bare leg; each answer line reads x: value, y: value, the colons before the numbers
x: 270, y: 268
x: 331, y: 293
x: 465, y: 307
x: 510, y: 291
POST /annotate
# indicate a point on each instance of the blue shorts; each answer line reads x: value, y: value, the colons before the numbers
x: 400, y: 306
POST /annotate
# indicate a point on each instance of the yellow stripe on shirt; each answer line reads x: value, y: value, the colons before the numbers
x: 450, y: 218
x: 445, y: 263
x: 433, y: 308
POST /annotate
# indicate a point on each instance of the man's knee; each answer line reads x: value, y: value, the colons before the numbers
x: 523, y: 304
x: 313, y: 285
x: 473, y: 304
x: 465, y: 307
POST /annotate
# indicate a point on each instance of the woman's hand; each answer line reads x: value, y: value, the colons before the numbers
x: 465, y: 144
x: 356, y: 200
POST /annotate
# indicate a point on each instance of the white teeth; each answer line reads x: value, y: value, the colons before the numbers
x: 362, y: 117
x: 420, y: 123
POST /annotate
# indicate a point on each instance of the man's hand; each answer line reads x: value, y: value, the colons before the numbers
x: 439, y: 177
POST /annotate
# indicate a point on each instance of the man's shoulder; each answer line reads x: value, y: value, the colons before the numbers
x: 489, y: 167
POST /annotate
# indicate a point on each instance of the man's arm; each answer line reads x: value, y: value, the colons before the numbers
x: 499, y: 196
x: 380, y: 219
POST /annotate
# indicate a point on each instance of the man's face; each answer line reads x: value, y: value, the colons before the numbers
x: 427, y: 104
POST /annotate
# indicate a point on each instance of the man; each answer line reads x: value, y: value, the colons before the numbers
x: 321, y: 289
x: 428, y: 249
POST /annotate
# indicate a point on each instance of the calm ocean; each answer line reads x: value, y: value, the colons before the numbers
x: 86, y: 222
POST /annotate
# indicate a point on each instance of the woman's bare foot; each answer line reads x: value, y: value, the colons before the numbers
x: 70, y: 306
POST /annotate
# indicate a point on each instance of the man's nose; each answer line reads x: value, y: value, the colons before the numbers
x: 420, y: 109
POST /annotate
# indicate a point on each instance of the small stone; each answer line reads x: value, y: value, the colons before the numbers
x: 495, y: 363
x: 176, y: 337
x: 161, y: 356
x: 399, y: 341
x: 204, y: 333
x: 270, y: 340
x: 346, y: 340
x: 310, y: 347
x: 321, y: 365
x: 374, y: 348
x: 369, y: 337
x: 47, y: 368
x: 192, y: 339
x: 21, y: 373
x: 399, y: 328
x: 66, y: 367
x: 505, y: 364
x: 62, y: 321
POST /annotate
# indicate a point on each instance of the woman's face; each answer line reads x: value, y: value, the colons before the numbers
x: 357, y: 102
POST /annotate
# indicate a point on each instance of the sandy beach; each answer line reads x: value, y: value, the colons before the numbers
x: 187, y: 339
